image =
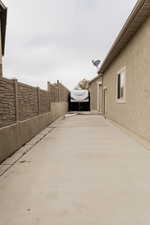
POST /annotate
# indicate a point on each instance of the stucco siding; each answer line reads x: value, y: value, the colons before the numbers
x: 94, y: 92
x: 134, y: 113
x: 93, y: 96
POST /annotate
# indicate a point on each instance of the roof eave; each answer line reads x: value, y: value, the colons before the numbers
x: 3, y: 18
x: 121, y: 41
x: 2, y: 5
x: 95, y: 78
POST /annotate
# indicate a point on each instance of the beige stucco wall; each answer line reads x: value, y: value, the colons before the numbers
x: 135, y: 113
x: 94, y: 92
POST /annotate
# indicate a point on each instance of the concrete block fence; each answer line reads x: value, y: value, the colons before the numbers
x: 26, y: 110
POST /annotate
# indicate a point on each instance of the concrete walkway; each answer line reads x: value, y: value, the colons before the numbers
x: 84, y: 172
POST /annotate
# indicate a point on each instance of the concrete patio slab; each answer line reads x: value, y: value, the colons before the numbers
x: 85, y: 171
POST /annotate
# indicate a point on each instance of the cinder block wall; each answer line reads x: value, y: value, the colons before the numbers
x: 28, y: 103
x: 25, y: 111
x: 7, y: 102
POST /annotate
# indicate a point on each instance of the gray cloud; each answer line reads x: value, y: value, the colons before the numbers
x: 50, y: 40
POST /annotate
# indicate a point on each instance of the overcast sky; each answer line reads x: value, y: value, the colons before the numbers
x: 49, y: 40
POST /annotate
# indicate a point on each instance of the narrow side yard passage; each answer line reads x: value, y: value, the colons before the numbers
x: 85, y: 172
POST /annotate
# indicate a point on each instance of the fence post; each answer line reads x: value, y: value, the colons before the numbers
x: 49, y: 95
x: 38, y: 97
x: 16, y: 99
x: 58, y: 86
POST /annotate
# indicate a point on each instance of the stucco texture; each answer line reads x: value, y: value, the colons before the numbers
x: 94, y: 92
x: 134, y: 113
